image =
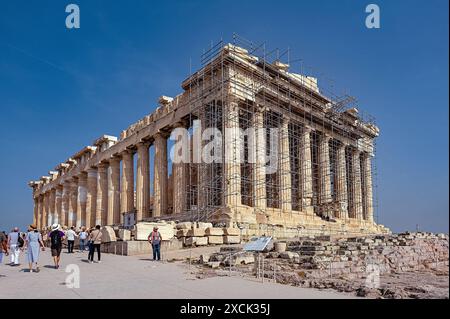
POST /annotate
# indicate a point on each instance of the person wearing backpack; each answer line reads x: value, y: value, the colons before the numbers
x: 15, y: 243
x: 56, y: 239
x: 155, y: 240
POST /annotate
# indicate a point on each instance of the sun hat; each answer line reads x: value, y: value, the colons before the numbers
x: 33, y: 226
x: 56, y: 227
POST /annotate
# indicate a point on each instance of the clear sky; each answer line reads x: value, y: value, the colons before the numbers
x: 60, y: 89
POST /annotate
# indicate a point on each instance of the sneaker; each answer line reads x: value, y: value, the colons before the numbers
x: 91, y: 262
x: 99, y: 261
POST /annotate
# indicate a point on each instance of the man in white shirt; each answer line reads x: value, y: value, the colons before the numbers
x: 70, y: 235
x: 83, y: 239
x: 13, y: 243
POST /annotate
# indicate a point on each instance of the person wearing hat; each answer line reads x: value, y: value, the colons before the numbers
x: 32, y: 242
x: 56, y: 239
x: 155, y: 240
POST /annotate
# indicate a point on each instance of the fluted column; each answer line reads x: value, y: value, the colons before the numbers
x: 81, y: 200
x: 52, y: 207
x: 368, y: 198
x: 59, y: 204
x: 39, y: 224
x: 45, y: 211
x: 142, y: 181
x: 357, y: 206
x: 113, y: 216
x: 102, y: 194
x: 35, y: 210
x: 180, y: 173
x: 73, y: 202
x: 160, y: 176
x: 284, y: 167
x: 306, y: 183
x: 91, y: 199
x: 65, y: 204
x: 341, y: 181
x: 232, y: 165
x: 324, y: 174
x: 258, y: 148
x: 127, y: 187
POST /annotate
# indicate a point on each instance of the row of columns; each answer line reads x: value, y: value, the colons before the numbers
x: 100, y: 195
x: 233, y: 178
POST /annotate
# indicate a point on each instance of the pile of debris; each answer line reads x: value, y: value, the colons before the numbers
x: 345, y: 264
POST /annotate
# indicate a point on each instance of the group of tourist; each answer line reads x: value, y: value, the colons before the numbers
x: 33, y: 242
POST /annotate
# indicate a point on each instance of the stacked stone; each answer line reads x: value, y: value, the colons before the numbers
x: 351, y: 256
x: 202, y: 234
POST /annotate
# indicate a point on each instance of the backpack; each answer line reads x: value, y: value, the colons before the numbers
x: 55, y: 239
x: 20, y: 241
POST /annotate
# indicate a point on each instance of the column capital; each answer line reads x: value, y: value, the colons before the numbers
x: 325, y: 136
x: 161, y: 135
x: 181, y: 124
x: 143, y: 144
x: 307, y: 129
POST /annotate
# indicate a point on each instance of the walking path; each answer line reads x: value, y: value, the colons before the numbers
x: 135, y: 277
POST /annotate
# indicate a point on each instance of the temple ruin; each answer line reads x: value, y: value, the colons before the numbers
x: 322, y: 182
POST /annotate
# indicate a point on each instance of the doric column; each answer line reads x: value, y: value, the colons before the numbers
x: 357, y: 205
x: 59, y: 204
x: 113, y: 216
x: 160, y: 176
x: 81, y: 200
x: 45, y: 211
x: 232, y: 165
x: 368, y: 191
x: 39, y: 224
x: 284, y: 167
x: 180, y: 173
x: 142, y: 181
x: 73, y: 202
x: 341, y: 181
x: 35, y: 210
x: 65, y: 204
x: 306, y: 184
x: 127, y: 187
x: 102, y: 194
x: 91, y: 199
x: 258, y: 147
x: 51, y: 218
x: 324, y: 174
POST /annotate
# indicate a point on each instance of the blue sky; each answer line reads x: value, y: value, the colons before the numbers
x: 60, y: 89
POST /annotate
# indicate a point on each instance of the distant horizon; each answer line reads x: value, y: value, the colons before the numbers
x: 61, y: 89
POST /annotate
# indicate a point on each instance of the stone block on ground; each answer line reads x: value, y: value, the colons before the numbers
x: 108, y: 234
x: 196, y: 232
x: 201, y: 241
x: 204, y: 225
x: 124, y: 234
x: 231, y: 231
x: 182, y: 232
x: 213, y: 231
x: 231, y: 239
x: 144, y: 229
x: 184, y: 225
x: 215, y: 240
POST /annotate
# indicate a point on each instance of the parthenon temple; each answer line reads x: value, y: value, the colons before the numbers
x: 321, y: 182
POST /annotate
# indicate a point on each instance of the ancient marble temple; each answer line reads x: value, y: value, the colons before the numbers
x: 321, y: 182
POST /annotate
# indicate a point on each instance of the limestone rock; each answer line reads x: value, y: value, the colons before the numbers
x: 215, y: 240
x: 212, y: 231
x: 204, y: 225
x: 144, y: 229
x: 184, y: 225
x: 231, y: 239
x: 182, y: 232
x: 108, y: 234
x: 231, y: 231
x: 196, y: 232
x: 124, y: 234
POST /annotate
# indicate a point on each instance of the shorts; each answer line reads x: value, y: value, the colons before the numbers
x: 56, y: 251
